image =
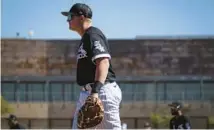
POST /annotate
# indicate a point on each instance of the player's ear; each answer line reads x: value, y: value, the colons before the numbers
x: 82, y: 18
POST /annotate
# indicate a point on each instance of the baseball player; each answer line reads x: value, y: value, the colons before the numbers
x: 94, y: 71
x: 179, y: 121
x: 13, y: 122
x: 147, y: 126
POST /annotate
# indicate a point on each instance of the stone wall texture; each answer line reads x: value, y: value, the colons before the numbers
x: 130, y: 57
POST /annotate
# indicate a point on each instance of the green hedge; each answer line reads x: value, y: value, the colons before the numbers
x: 160, y: 121
x: 5, y: 107
x: 211, y: 122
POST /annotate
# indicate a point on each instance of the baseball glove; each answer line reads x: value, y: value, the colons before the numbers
x: 91, y: 113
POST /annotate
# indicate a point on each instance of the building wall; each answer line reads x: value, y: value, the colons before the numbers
x: 134, y: 58
x: 47, y: 115
x: 51, y: 104
x: 68, y: 91
x: 60, y: 110
x: 38, y: 79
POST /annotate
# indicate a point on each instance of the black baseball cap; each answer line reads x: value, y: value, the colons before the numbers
x: 79, y: 9
x: 176, y: 105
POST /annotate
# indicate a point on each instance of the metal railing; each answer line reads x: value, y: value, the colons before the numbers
x: 146, y: 88
x: 126, y: 96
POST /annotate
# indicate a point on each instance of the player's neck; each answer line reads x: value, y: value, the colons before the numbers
x: 179, y: 114
x: 83, y: 29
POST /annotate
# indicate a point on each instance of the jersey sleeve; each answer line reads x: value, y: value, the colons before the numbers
x: 99, y: 47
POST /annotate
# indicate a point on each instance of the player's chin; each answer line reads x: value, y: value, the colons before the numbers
x: 71, y: 28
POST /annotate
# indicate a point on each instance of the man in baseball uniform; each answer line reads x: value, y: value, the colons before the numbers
x: 94, y: 70
x: 179, y: 121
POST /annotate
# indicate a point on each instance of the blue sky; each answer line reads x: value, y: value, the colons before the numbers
x: 117, y: 18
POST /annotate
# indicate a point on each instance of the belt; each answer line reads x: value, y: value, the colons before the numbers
x: 87, y: 87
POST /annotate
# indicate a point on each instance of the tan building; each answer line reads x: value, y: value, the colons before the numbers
x: 38, y: 79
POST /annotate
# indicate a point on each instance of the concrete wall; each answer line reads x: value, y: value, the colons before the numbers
x: 137, y: 109
x: 59, y: 115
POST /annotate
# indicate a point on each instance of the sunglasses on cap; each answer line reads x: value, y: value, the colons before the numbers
x: 71, y: 16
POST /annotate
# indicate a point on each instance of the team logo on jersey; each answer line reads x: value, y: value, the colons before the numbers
x: 180, y: 127
x: 98, y: 46
x: 81, y: 53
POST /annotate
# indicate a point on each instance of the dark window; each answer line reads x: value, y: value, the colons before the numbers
x: 175, y: 91
x: 36, y: 92
x: 8, y: 91
x: 68, y: 92
x: 76, y: 91
x: 56, y: 90
x: 21, y: 93
x: 208, y: 91
x: 193, y: 91
x: 127, y: 91
x: 182, y: 91
x: 160, y: 92
x: 144, y: 91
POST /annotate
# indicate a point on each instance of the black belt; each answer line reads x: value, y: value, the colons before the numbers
x: 86, y: 89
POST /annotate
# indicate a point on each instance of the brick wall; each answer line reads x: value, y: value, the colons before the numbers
x: 130, y: 57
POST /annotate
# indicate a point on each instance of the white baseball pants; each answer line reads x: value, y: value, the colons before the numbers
x: 111, y: 96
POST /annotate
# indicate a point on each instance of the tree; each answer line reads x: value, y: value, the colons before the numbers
x: 160, y: 121
x: 155, y: 119
x: 5, y: 107
x: 211, y: 122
